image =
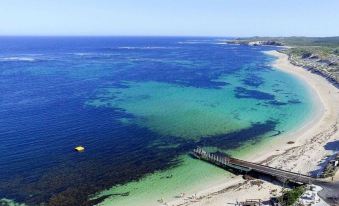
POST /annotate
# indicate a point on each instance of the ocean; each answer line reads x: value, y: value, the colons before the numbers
x: 138, y: 105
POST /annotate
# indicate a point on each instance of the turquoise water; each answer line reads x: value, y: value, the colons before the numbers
x: 192, y: 176
x: 194, y: 113
x: 139, y: 105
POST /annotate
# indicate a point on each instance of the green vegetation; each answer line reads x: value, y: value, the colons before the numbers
x: 329, y: 171
x: 336, y: 52
x: 317, y: 52
x: 7, y: 202
x: 299, y: 41
x: 311, y: 41
x: 323, y: 60
x: 290, y: 197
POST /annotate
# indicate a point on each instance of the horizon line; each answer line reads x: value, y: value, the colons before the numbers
x: 168, y: 36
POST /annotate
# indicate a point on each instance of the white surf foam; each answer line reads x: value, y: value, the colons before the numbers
x: 16, y: 59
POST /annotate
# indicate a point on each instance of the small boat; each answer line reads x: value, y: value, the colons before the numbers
x: 79, y: 148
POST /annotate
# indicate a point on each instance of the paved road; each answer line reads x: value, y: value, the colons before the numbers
x: 330, y: 192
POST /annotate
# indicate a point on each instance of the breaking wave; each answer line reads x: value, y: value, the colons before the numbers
x: 17, y: 59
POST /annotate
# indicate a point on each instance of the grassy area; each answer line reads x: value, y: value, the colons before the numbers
x: 321, y: 52
x: 290, y: 197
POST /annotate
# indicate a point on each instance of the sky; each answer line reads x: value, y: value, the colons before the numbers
x: 170, y: 17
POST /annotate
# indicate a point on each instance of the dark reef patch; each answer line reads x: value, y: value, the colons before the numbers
x: 236, y: 139
x: 253, y: 80
x: 294, y: 101
x: 277, y: 103
x: 203, y: 82
x: 241, y: 92
x: 278, y: 90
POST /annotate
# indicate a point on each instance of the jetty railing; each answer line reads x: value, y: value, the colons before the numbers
x: 245, y: 166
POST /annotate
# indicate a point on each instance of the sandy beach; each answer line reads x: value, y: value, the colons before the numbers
x: 305, y: 155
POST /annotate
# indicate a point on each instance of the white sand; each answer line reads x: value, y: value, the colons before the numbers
x: 303, y: 156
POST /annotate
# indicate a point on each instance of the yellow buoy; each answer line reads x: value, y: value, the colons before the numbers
x: 79, y: 148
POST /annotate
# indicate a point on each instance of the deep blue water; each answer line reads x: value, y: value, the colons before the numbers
x: 45, y: 82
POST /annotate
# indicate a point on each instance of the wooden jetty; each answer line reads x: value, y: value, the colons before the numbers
x: 245, y: 166
x: 330, y: 189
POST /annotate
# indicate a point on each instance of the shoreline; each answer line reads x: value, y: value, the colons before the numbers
x: 304, y: 156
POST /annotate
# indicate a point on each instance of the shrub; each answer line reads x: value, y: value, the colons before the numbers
x: 290, y: 197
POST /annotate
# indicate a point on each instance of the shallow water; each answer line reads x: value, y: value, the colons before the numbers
x: 138, y: 105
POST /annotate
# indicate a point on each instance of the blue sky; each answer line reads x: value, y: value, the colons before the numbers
x: 170, y: 17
